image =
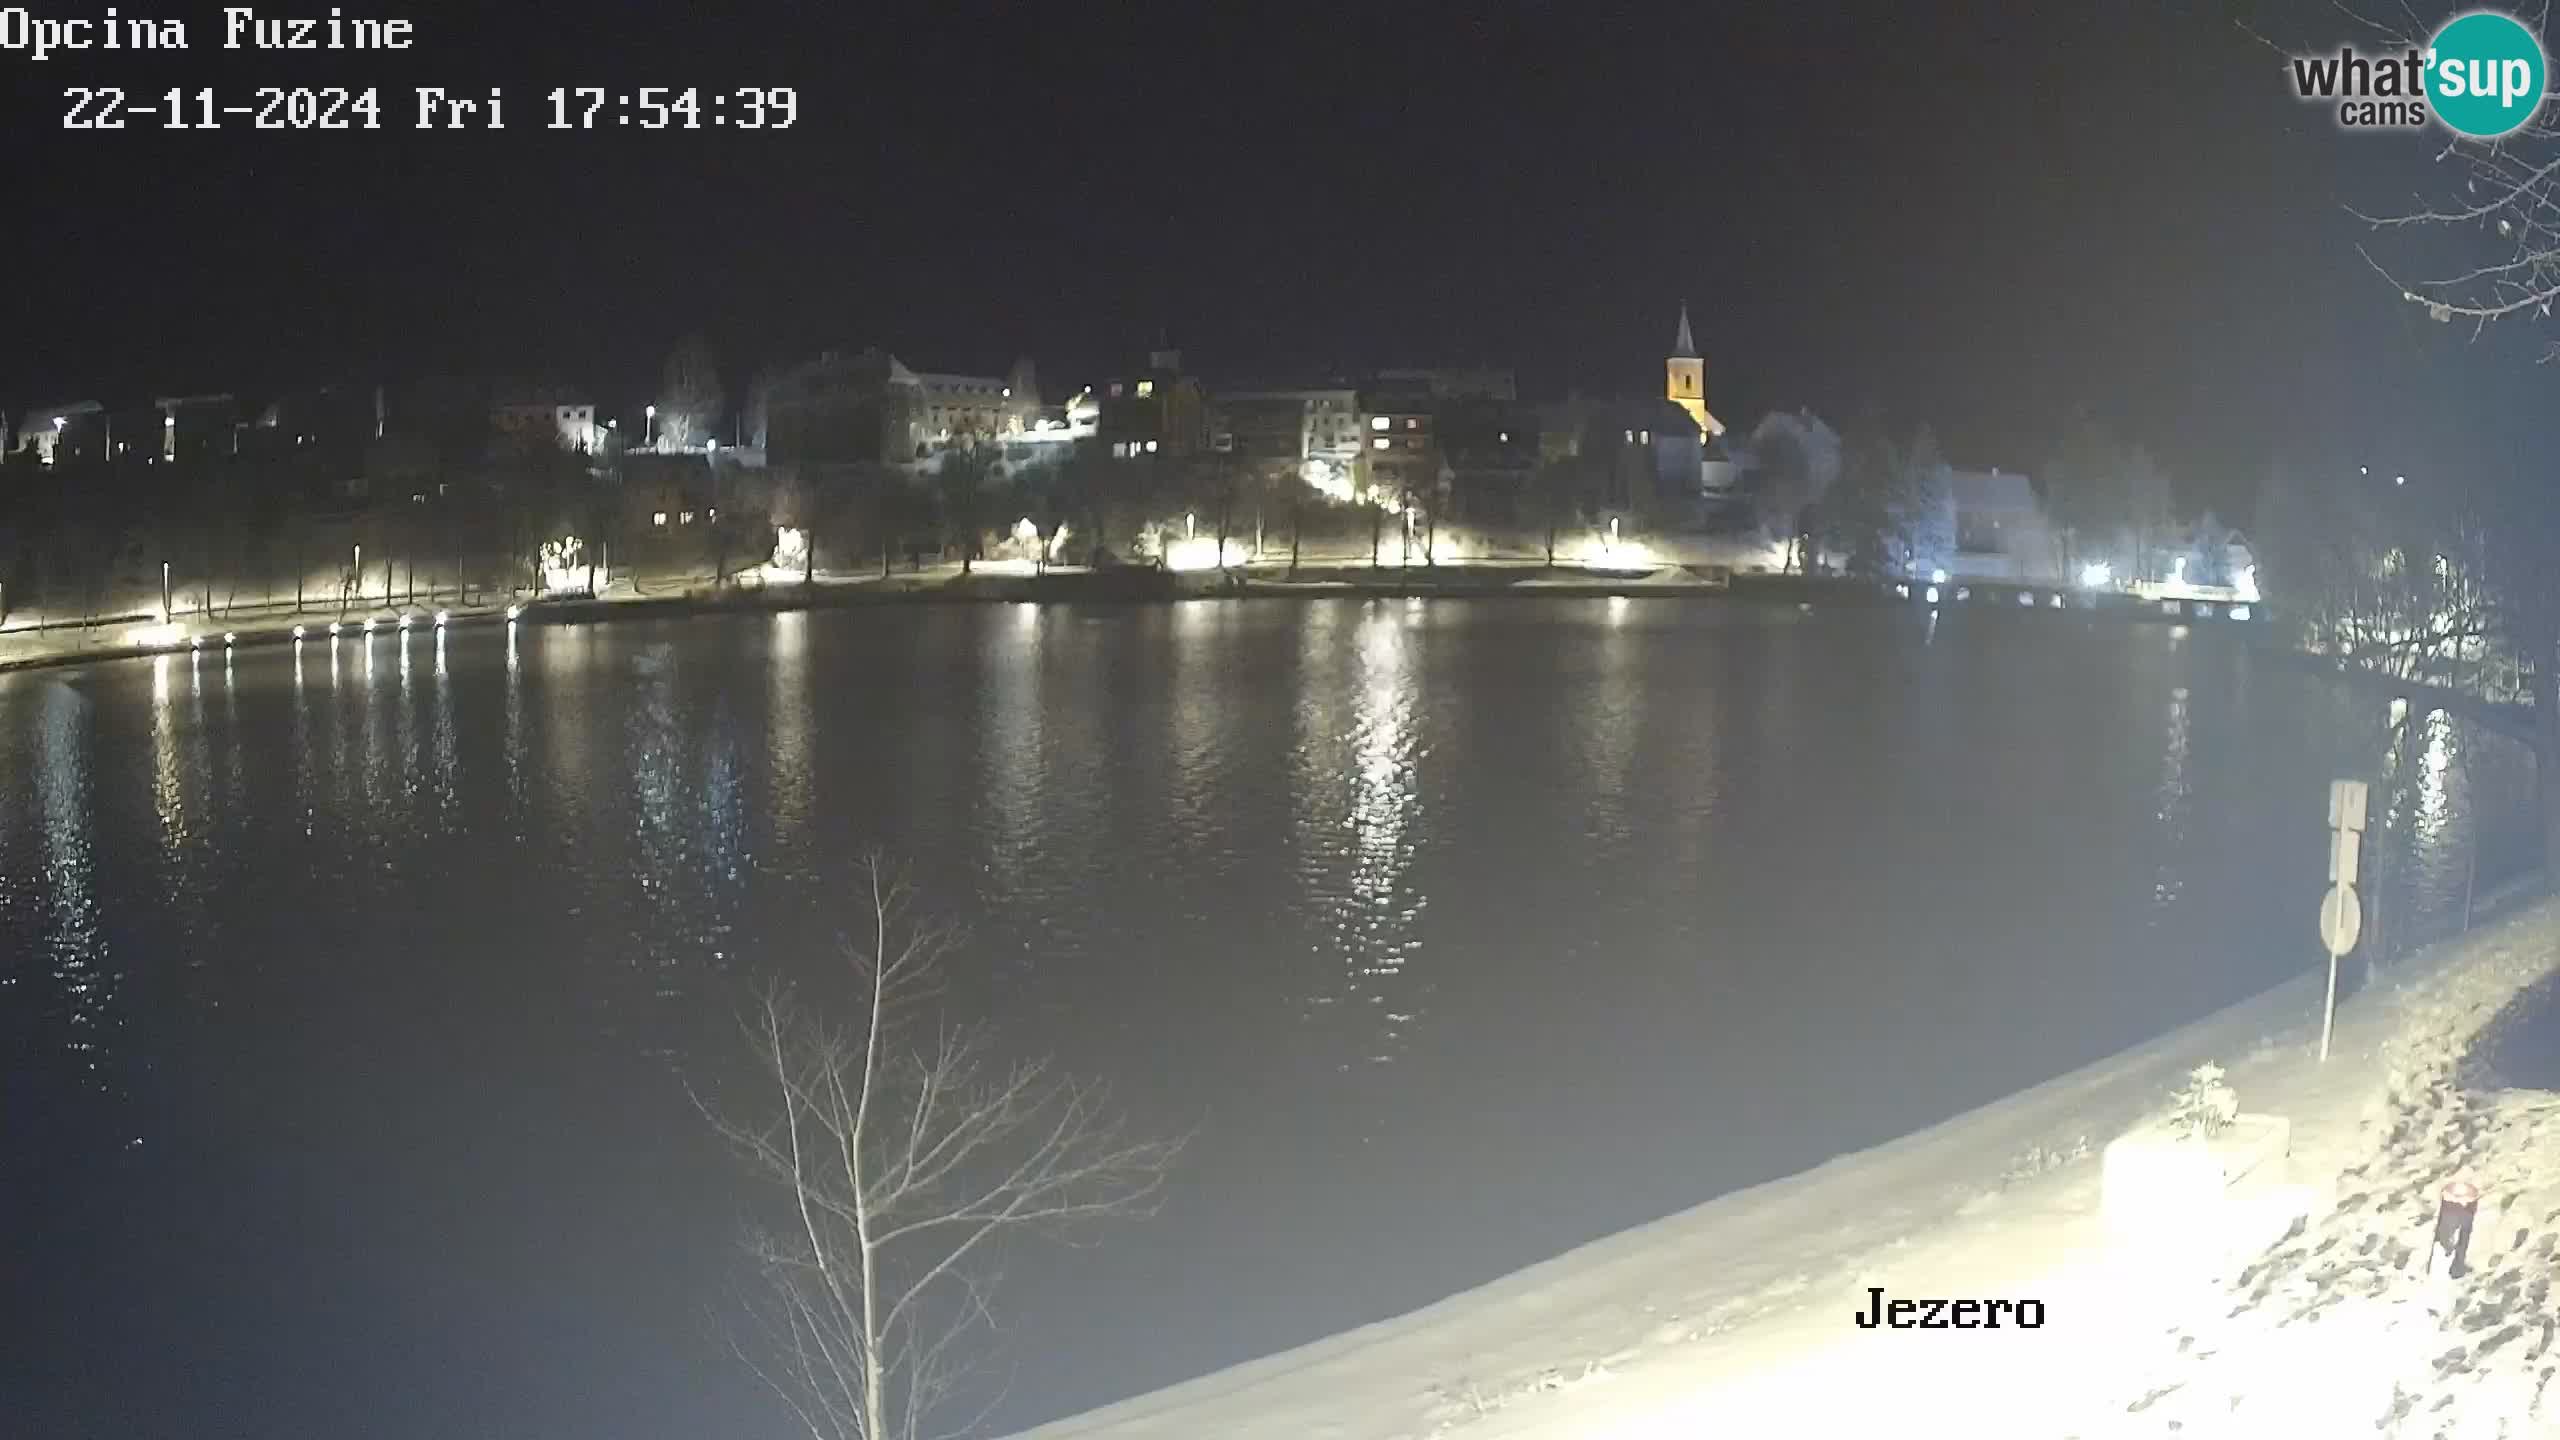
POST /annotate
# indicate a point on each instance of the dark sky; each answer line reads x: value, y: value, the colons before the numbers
x: 1981, y: 217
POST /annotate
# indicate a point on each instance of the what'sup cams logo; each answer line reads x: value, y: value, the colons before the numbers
x: 2482, y: 76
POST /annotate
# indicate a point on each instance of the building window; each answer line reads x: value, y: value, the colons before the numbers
x: 712, y: 514
x: 1645, y: 435
x: 1146, y: 388
x: 1410, y: 423
x: 1381, y: 442
x: 685, y: 518
x: 1151, y: 447
x: 659, y: 518
x: 1631, y: 437
x: 1505, y: 437
x: 1115, y: 389
x: 1378, y: 422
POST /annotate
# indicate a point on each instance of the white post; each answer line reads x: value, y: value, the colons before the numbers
x: 2329, y: 1012
x: 2341, y: 911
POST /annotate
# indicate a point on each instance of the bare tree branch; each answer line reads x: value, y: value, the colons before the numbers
x: 902, y: 1162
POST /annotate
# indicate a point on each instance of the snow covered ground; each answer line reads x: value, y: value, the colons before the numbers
x: 1735, y: 1318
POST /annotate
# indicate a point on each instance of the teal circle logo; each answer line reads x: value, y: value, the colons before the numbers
x: 2484, y: 75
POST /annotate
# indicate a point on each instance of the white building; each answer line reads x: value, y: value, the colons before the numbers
x: 2001, y: 529
x: 571, y: 418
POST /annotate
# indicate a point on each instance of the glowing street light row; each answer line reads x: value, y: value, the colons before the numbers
x: 165, y: 635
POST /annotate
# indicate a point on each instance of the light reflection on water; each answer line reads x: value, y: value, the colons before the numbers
x: 84, y: 974
x: 2168, y: 882
x: 789, y: 768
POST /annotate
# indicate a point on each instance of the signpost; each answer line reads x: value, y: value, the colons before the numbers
x: 2341, y: 910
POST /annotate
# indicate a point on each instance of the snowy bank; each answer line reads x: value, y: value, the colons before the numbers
x: 1736, y: 1317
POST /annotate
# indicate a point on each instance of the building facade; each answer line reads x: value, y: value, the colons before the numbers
x: 1318, y: 425
x: 868, y: 407
x: 1158, y: 411
x: 2001, y: 529
x: 199, y: 427
x: 1400, y: 458
x: 565, y: 416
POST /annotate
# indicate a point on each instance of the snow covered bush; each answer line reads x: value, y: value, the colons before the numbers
x: 2205, y: 1106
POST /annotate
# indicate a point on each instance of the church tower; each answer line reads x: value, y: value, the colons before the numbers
x: 1685, y: 380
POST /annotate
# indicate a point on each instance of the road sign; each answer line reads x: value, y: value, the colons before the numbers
x: 2346, y: 805
x: 2341, y: 918
x: 2346, y: 847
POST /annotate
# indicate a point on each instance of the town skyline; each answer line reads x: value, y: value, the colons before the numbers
x: 1511, y: 190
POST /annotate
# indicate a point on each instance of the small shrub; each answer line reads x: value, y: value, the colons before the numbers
x: 2035, y: 1160
x: 2206, y: 1106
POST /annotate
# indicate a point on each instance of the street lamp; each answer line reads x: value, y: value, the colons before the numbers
x: 652, y: 413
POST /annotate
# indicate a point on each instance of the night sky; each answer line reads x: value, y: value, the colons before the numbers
x: 1877, y: 210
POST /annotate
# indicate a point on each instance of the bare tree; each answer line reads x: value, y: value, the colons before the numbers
x: 1795, y: 457
x: 689, y: 395
x: 904, y: 1153
x: 2479, y: 617
x: 2501, y: 195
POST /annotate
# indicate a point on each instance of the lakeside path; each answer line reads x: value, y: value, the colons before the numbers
x: 1735, y: 1318
x: 24, y: 646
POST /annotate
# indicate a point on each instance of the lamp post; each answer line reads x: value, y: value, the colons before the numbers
x: 651, y: 412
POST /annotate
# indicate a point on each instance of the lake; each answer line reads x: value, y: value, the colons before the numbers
x: 351, y: 995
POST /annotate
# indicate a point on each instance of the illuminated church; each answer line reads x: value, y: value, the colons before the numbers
x: 1685, y: 380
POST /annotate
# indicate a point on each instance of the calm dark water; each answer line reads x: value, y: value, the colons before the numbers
x: 348, y: 1000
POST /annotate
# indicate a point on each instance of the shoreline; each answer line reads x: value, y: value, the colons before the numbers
x: 1732, y: 1316
x: 51, y: 645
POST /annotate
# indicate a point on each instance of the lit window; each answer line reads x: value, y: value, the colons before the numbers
x: 685, y: 519
x: 1151, y: 447
x: 1381, y: 442
x: 1115, y: 389
x: 1631, y: 437
x: 713, y: 514
x: 1505, y: 437
x: 1412, y: 423
x: 1146, y: 388
x: 1645, y: 435
x: 658, y: 519
x: 1377, y: 422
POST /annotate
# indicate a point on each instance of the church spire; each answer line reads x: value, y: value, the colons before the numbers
x: 1686, y: 347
